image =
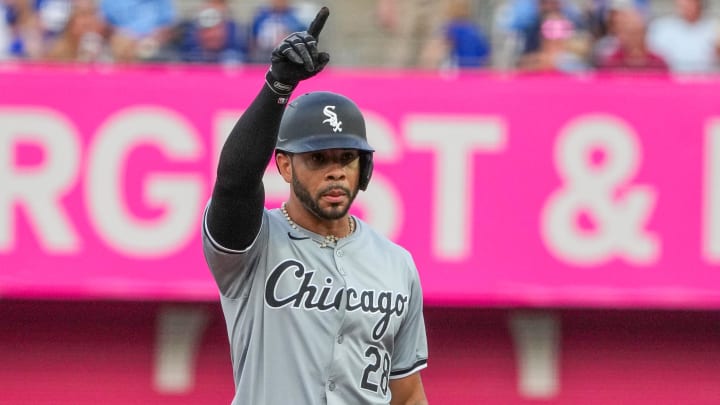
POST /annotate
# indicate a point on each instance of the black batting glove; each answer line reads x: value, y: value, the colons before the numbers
x: 297, y: 57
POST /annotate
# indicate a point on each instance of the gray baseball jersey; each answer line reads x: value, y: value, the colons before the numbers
x: 311, y: 325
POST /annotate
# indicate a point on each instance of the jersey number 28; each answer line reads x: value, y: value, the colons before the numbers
x: 372, y: 370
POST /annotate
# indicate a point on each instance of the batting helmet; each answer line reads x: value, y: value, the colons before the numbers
x: 324, y: 120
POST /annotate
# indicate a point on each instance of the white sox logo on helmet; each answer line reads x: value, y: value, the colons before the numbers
x: 329, y: 111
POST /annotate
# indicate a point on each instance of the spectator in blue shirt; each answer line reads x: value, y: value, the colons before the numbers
x: 526, y: 17
x: 270, y: 24
x: 141, y: 29
x: 212, y: 36
x: 469, y: 46
x: 460, y: 42
x: 26, y: 40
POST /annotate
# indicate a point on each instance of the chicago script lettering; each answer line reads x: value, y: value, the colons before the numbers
x: 308, y: 295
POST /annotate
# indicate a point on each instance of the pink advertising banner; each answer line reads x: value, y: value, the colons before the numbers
x: 527, y: 191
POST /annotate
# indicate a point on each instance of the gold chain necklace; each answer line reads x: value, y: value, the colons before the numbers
x: 329, y: 240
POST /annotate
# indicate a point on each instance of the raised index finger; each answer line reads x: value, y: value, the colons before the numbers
x: 319, y: 22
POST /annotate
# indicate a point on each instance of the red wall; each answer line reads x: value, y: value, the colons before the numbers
x: 103, y: 352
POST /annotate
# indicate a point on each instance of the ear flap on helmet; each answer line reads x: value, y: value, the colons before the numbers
x: 366, y: 169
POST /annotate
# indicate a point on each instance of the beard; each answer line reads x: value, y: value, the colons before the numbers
x: 335, y: 211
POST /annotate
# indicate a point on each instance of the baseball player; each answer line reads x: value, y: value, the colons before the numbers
x: 320, y: 309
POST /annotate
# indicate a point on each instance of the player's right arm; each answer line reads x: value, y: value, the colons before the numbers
x: 234, y: 215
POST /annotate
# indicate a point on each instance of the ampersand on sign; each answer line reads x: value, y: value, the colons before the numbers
x: 596, y: 157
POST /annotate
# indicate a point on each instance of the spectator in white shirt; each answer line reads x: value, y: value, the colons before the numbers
x: 688, y: 41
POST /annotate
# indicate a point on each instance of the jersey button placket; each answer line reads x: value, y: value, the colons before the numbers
x: 339, y: 253
x: 331, y: 385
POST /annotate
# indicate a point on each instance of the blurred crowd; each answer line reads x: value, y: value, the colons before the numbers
x: 134, y: 31
x: 610, y: 35
x: 525, y: 35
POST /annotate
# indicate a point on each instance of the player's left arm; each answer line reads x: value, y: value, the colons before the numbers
x: 408, y: 391
x: 411, y: 351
